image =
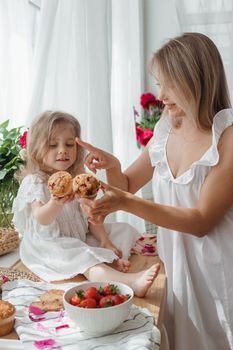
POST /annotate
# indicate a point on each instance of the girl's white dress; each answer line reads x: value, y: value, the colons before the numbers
x: 199, y: 310
x: 64, y: 248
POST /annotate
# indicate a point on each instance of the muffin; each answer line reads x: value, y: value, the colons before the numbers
x: 60, y: 184
x: 7, y: 317
x: 86, y: 186
x: 50, y: 301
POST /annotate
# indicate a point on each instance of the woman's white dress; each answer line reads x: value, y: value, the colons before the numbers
x: 199, y: 310
x: 64, y: 248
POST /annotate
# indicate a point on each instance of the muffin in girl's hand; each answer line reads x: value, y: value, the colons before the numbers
x: 60, y: 184
x: 7, y: 317
x: 86, y: 186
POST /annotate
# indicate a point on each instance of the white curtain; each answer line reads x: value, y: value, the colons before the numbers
x: 161, y: 24
x: 88, y: 61
x: 71, y: 67
x: 215, y: 19
x: 127, y: 83
x: 17, y: 24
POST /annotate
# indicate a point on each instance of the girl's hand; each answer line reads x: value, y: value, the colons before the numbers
x: 61, y: 201
x: 97, y: 210
x: 98, y: 159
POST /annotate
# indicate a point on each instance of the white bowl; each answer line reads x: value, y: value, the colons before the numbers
x: 98, y: 321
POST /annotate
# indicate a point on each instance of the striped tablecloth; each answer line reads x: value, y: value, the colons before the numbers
x: 56, y: 330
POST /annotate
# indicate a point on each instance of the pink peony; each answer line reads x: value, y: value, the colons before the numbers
x: 23, y: 140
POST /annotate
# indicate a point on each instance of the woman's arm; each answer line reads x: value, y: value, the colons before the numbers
x: 136, y: 176
x: 215, y: 200
x: 139, y: 172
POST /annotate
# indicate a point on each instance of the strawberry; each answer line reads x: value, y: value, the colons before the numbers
x: 75, y: 300
x: 106, y: 301
x: 110, y: 289
x: 117, y: 299
x: 92, y: 292
x: 124, y: 297
x: 88, y: 303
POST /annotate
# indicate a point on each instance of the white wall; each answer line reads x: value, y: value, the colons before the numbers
x: 160, y: 24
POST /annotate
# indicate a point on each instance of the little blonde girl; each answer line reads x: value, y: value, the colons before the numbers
x: 57, y: 243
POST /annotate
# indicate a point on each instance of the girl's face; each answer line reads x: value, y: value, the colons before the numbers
x: 167, y: 93
x: 62, y: 151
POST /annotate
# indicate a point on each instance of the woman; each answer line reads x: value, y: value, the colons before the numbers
x: 190, y: 161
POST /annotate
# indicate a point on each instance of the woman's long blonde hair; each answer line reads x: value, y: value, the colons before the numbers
x: 39, y: 136
x: 193, y: 65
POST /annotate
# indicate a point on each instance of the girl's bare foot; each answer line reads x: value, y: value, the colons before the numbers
x: 121, y: 265
x: 109, y: 245
x: 144, y: 279
x: 140, y: 282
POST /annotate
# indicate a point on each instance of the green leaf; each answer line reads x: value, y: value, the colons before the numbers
x: 2, y: 174
x: 4, y: 125
x: 10, y: 162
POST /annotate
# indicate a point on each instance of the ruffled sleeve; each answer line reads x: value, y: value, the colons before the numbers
x: 32, y: 188
x: 222, y: 120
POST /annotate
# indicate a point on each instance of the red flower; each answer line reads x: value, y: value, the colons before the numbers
x: 152, y: 110
x: 143, y: 136
x: 23, y: 139
x: 147, y: 100
x: 147, y: 135
x: 139, y: 132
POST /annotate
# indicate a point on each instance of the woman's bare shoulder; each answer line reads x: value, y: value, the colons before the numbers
x: 225, y: 149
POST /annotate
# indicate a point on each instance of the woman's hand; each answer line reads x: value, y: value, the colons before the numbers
x: 97, y: 158
x: 97, y: 210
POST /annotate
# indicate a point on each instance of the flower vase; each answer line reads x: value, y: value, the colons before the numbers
x: 7, y: 195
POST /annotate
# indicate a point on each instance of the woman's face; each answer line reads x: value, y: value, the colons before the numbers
x: 62, y: 151
x: 171, y: 99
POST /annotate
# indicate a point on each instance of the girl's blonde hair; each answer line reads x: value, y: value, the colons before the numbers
x: 38, y: 138
x: 193, y: 65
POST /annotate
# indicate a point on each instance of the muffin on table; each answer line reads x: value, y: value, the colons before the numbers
x: 7, y: 317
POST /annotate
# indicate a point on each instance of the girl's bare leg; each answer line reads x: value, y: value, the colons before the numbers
x: 106, y: 243
x: 99, y: 232
x: 122, y: 265
x: 140, y: 282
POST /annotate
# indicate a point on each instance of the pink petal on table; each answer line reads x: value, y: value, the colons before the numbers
x: 61, y: 314
x: 36, y: 319
x: 148, y: 249
x: 62, y: 326
x: 36, y: 310
x: 44, y: 344
x: 42, y: 328
x: 149, y: 246
x: 5, y: 278
x: 141, y: 238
